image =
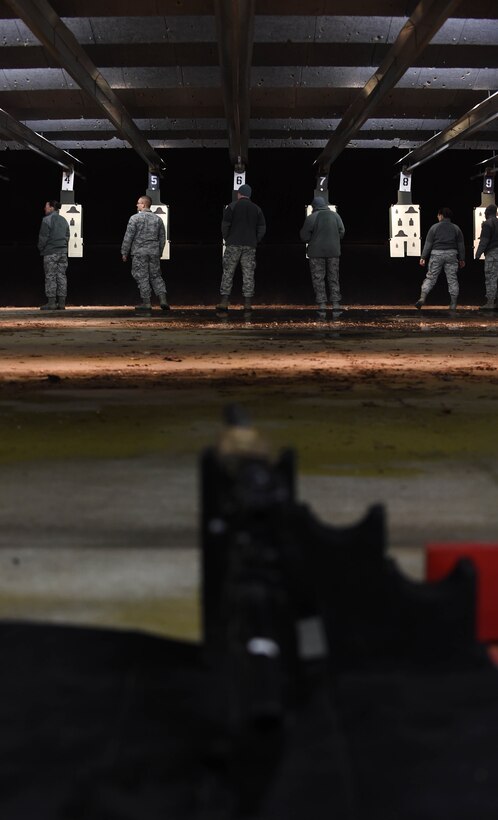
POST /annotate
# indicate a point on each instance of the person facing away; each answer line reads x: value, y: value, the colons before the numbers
x: 243, y: 227
x: 323, y: 230
x: 144, y: 240
x: 445, y: 249
x: 488, y: 245
x: 53, y: 241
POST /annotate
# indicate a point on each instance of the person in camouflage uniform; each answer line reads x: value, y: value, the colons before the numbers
x: 488, y: 245
x: 324, y: 230
x: 242, y: 228
x: 53, y: 240
x: 144, y: 239
x: 444, y: 247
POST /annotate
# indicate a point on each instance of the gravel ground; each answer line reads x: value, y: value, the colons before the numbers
x: 103, y: 416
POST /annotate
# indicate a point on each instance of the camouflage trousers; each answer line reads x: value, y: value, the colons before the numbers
x: 146, y: 271
x: 247, y: 258
x: 55, y: 267
x: 442, y: 260
x: 325, y: 270
x: 491, y: 274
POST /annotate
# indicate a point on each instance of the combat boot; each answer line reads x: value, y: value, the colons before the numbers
x: 322, y: 311
x: 420, y: 302
x: 51, y: 305
x: 223, y: 305
x: 337, y: 310
x: 247, y: 304
x: 144, y: 308
x: 61, y: 304
x: 453, y: 306
x: 489, y: 305
x: 164, y: 302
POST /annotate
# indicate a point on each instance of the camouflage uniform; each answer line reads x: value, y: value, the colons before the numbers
x: 145, y: 238
x: 55, y: 267
x: 323, y: 269
x: 488, y: 245
x: 52, y: 244
x: 442, y: 260
x: 247, y: 257
x: 491, y: 274
x: 243, y: 227
x: 444, y: 247
x: 323, y: 231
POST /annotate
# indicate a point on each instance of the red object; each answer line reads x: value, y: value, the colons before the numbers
x: 440, y: 560
x: 492, y: 650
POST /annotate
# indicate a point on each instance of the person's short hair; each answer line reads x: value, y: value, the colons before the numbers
x: 55, y: 204
x: 147, y: 200
x: 446, y: 213
x: 490, y: 211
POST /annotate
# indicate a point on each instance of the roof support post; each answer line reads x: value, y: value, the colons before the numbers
x: 235, y: 28
x: 322, y: 187
x: 416, y: 34
x: 15, y: 130
x: 61, y: 43
x: 488, y: 187
x: 479, y: 116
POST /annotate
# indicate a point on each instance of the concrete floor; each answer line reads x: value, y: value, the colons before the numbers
x: 103, y: 416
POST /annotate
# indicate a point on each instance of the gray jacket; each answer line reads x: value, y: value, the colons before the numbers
x: 444, y: 236
x: 145, y: 234
x: 54, y: 234
x: 323, y: 230
x: 488, y: 240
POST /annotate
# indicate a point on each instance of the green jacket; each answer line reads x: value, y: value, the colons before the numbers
x: 54, y: 234
x: 323, y: 231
